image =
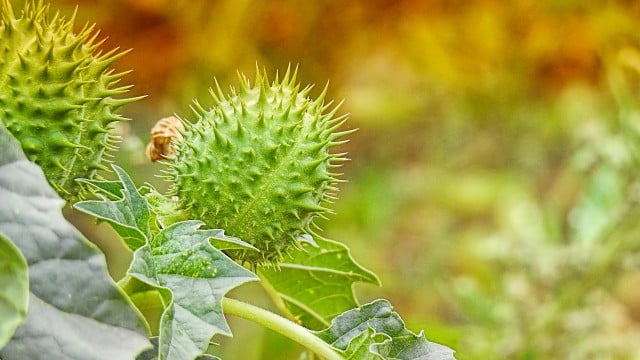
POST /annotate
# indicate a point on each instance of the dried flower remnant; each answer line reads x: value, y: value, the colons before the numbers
x: 163, y: 134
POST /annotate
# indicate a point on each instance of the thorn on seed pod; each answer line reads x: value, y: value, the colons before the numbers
x: 163, y: 134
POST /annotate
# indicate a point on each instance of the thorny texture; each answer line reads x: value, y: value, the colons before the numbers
x: 57, y: 94
x: 257, y: 164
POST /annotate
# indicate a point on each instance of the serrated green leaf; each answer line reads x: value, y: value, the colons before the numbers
x: 193, y: 276
x: 359, y: 347
x: 75, y: 310
x: 316, y: 284
x: 180, y: 272
x: 14, y: 292
x: 152, y: 354
x: 129, y: 215
x: 409, y: 346
x: 112, y: 189
x: 147, y: 299
x: 398, y: 342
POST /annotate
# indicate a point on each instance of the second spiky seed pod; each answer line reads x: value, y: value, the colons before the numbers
x: 57, y: 94
x: 258, y: 165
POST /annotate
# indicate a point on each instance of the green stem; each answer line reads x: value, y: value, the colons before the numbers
x: 280, y: 325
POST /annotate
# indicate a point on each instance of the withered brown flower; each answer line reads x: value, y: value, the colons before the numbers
x: 163, y: 134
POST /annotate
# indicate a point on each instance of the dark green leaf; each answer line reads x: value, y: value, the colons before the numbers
x: 193, y: 276
x: 316, y: 284
x: 378, y: 317
x: 14, y: 292
x: 152, y: 354
x: 75, y: 309
x: 183, y: 275
x: 129, y: 216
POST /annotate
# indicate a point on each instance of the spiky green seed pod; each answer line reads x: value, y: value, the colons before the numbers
x: 257, y: 164
x: 57, y: 96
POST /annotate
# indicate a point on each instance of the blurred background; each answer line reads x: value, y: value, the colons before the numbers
x: 493, y: 185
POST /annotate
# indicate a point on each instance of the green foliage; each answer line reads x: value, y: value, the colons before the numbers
x: 57, y: 95
x: 152, y: 354
x: 375, y: 331
x: 14, y: 294
x: 316, y: 283
x: 179, y: 262
x: 129, y: 216
x: 190, y: 274
x: 258, y: 165
x: 193, y: 276
x: 75, y: 309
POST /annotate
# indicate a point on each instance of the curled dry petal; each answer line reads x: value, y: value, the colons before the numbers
x: 163, y: 134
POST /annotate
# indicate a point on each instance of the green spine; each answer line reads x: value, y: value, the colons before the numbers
x: 257, y: 164
x: 57, y: 94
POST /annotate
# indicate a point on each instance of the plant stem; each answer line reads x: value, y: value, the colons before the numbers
x: 280, y: 325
